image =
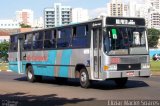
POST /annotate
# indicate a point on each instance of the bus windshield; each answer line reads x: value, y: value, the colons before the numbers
x: 125, y: 40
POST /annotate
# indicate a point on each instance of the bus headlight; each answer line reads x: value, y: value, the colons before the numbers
x: 145, y: 65
x: 113, y: 67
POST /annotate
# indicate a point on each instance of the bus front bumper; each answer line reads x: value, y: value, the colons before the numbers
x: 129, y: 73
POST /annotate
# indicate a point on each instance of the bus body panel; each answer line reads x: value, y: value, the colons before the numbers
x: 57, y: 63
x: 13, y: 61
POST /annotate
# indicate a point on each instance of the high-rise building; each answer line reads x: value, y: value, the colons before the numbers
x: 57, y: 15
x: 9, y: 24
x: 152, y: 15
x: 25, y: 16
x: 117, y: 8
x: 79, y: 15
x: 38, y: 23
x: 154, y: 3
x: 154, y: 20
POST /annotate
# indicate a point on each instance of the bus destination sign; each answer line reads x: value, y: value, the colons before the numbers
x: 125, y: 21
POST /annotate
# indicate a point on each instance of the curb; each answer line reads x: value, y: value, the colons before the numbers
x: 5, y: 71
x: 155, y: 73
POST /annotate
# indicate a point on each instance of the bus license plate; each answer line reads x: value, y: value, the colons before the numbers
x: 131, y: 73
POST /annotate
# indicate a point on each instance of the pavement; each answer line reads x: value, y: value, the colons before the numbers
x: 153, y: 73
x: 15, y: 89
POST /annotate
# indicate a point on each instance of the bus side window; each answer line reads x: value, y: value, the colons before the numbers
x: 28, y: 41
x: 14, y: 43
x: 63, y: 37
x: 38, y: 40
x: 49, y: 41
x: 79, y: 37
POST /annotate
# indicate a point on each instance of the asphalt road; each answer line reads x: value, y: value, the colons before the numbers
x: 16, y: 90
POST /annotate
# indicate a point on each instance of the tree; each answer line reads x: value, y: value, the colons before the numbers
x: 4, y: 46
x: 153, y: 36
x: 25, y: 26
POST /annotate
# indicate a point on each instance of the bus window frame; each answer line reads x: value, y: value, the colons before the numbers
x: 53, y: 33
x: 11, y: 44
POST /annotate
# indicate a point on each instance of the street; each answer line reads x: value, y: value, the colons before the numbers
x: 15, y: 89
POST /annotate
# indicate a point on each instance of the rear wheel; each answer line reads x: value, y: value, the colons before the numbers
x: 121, y: 82
x: 84, y: 79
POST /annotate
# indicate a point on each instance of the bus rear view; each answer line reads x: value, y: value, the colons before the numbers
x: 125, y: 49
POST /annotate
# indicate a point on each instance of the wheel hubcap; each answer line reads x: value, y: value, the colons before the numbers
x: 83, y: 77
x: 29, y: 75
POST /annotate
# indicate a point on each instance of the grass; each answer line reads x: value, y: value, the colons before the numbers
x: 155, y: 65
x: 3, y: 66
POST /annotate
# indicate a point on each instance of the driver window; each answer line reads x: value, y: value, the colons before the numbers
x: 136, y: 38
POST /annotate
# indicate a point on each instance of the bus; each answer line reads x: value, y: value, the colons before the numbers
x: 113, y: 48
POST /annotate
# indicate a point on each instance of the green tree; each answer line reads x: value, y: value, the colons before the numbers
x: 25, y: 26
x: 4, y: 46
x: 153, y: 36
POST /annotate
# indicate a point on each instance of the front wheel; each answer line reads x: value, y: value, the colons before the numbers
x: 30, y: 75
x: 121, y: 82
x: 84, y: 79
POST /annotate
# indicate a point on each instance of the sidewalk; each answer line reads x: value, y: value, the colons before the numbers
x: 5, y: 70
x: 155, y: 73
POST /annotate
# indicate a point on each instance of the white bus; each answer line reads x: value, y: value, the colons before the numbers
x: 109, y: 48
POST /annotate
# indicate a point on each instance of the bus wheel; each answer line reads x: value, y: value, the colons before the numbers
x: 121, y: 81
x: 30, y: 74
x: 84, y: 78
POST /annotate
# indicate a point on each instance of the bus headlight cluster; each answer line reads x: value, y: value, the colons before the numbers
x: 145, y: 65
x: 112, y: 67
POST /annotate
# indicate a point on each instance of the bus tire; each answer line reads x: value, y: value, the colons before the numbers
x: 84, y: 78
x: 30, y: 74
x: 121, y: 82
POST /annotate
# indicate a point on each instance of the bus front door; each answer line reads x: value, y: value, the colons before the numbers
x: 96, y: 32
x: 19, y: 56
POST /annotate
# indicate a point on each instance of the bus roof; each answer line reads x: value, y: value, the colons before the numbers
x: 72, y: 24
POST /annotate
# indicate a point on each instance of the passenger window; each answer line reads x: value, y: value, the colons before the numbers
x: 28, y: 41
x: 50, y: 39
x: 63, y: 37
x: 79, y: 37
x: 38, y: 40
x: 14, y: 43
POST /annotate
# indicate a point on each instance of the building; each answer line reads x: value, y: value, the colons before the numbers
x: 25, y: 16
x: 79, y: 15
x: 5, y: 33
x: 154, y: 3
x: 57, y: 15
x: 38, y: 23
x: 154, y: 20
x: 9, y: 24
x: 117, y: 8
x: 152, y: 15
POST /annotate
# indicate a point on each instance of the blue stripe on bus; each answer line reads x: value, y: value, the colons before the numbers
x: 65, y: 60
x: 14, y: 67
x: 47, y: 70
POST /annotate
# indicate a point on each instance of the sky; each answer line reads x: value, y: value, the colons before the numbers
x: 8, y: 8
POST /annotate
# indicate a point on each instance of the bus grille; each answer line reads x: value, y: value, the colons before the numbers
x: 121, y: 67
x: 134, y: 60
